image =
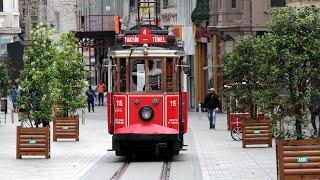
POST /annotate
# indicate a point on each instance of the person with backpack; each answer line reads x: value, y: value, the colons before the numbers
x: 90, y: 98
x: 212, y: 103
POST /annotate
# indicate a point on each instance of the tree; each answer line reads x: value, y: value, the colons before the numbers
x: 4, y: 79
x: 70, y: 76
x: 291, y: 56
x: 36, y: 96
x: 240, y: 72
x: 201, y: 12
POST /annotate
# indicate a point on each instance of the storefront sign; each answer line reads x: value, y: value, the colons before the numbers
x: 302, y: 159
x: 32, y: 141
x: 177, y: 31
x: 256, y: 132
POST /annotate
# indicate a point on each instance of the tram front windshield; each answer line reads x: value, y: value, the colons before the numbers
x: 145, y: 75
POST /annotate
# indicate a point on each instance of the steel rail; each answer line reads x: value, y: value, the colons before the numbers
x: 117, y: 175
x: 165, y: 173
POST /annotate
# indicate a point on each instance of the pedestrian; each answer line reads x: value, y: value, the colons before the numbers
x: 90, y: 98
x: 315, y: 111
x: 101, y: 87
x: 212, y: 103
x: 13, y: 96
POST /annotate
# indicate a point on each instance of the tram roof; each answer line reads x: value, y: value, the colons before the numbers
x: 151, y: 52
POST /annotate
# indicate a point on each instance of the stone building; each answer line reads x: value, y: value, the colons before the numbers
x: 95, y: 30
x: 229, y: 19
x: 300, y: 3
x: 32, y: 12
x: 61, y: 16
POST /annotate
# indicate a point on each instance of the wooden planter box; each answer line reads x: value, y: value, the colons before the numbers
x: 298, y: 159
x: 33, y: 142
x: 256, y: 132
x: 66, y: 128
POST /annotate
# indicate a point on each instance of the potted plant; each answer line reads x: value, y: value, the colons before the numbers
x: 36, y: 97
x: 4, y: 85
x: 240, y: 70
x: 70, y: 76
x: 289, y: 66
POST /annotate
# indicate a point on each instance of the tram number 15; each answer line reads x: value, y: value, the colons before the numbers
x: 119, y: 103
x: 173, y: 103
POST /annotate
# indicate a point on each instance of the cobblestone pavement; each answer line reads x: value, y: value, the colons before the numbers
x: 69, y: 159
x: 220, y: 157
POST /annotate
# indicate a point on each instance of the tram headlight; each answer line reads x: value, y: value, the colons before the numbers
x: 146, y: 113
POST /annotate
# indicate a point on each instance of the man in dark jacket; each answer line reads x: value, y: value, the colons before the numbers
x: 91, y: 95
x: 212, y: 103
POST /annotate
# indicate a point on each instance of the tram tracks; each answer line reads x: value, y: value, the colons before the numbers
x: 164, y: 174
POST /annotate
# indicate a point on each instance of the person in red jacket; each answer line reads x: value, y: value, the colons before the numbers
x: 101, y: 87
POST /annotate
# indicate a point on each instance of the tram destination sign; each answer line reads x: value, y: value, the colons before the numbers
x: 145, y: 37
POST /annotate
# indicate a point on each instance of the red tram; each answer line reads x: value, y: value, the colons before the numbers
x: 147, y: 97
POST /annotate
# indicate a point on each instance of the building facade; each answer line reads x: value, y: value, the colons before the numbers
x: 9, y: 24
x: 175, y: 16
x: 32, y: 12
x: 231, y: 18
x: 61, y: 15
x: 95, y: 29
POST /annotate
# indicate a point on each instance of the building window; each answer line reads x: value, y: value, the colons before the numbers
x: 34, y: 18
x: 1, y: 5
x: 133, y: 4
x: 13, y: 4
x: 169, y: 4
x: 234, y: 3
x: 278, y: 3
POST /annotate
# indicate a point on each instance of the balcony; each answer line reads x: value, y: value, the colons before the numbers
x: 9, y: 23
x: 95, y: 22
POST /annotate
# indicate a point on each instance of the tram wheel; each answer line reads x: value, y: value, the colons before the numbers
x: 236, y: 133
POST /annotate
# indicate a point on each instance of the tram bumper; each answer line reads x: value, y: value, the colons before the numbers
x: 146, y: 138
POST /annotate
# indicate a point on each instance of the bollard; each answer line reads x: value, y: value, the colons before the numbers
x: 83, y: 116
x: 200, y: 111
x: 12, y: 116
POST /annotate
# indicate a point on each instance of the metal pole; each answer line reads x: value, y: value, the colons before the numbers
x: 12, y: 115
x: 83, y: 116
x: 200, y: 111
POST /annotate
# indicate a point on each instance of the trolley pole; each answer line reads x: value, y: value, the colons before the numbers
x: 200, y: 111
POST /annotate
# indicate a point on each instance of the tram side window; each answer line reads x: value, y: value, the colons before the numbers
x: 154, y: 75
x: 137, y: 76
x: 122, y: 75
x: 169, y: 75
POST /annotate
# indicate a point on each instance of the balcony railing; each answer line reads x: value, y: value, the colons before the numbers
x: 95, y: 22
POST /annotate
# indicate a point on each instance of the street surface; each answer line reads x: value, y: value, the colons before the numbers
x: 211, y: 154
